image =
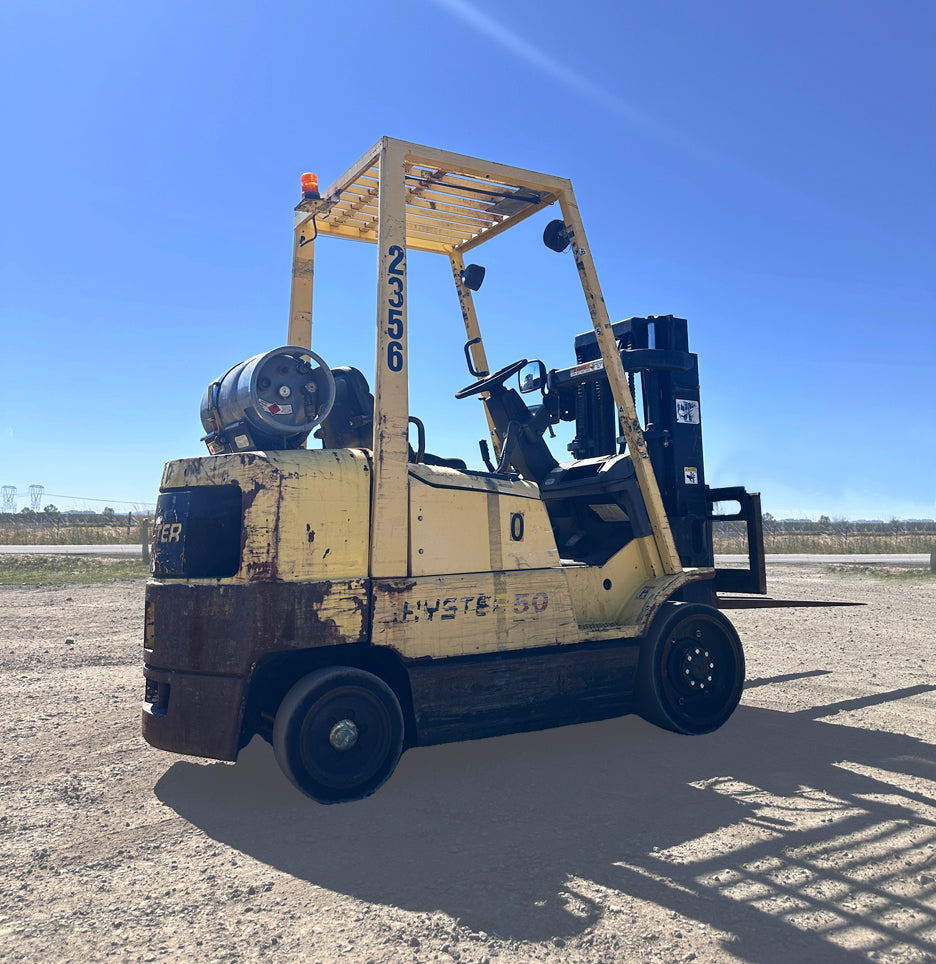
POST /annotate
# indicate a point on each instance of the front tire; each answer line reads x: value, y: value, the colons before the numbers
x: 338, y: 734
x: 691, y: 670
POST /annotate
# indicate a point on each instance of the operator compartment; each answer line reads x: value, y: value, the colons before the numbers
x: 595, y: 507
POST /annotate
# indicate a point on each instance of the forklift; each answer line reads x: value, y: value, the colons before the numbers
x: 320, y: 579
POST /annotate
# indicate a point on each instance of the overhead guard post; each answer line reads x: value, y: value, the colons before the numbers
x: 389, y: 532
x: 475, y: 343
x: 623, y: 400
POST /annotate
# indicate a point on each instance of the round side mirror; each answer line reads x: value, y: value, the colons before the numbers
x: 555, y: 236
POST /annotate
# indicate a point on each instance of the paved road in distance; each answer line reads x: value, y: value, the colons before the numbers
x: 136, y: 550
x: 813, y: 558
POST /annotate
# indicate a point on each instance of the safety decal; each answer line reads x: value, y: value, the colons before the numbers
x: 592, y: 366
x: 691, y: 474
x: 687, y: 411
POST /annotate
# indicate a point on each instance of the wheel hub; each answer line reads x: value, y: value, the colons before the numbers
x: 343, y: 735
x: 697, y: 668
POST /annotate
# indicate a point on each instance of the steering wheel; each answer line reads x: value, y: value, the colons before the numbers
x: 491, y: 382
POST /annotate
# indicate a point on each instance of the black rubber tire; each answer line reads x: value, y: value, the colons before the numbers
x: 691, y: 670
x: 302, y: 734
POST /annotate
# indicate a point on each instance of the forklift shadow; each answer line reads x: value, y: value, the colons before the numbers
x: 533, y: 836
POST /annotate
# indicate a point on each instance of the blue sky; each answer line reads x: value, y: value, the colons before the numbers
x: 766, y: 172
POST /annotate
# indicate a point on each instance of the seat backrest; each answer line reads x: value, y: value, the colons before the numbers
x: 350, y: 423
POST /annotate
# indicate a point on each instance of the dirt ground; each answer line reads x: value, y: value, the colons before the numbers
x: 804, y: 830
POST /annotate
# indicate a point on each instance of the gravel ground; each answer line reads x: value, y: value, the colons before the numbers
x: 804, y: 830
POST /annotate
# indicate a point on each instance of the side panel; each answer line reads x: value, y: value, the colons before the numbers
x: 462, y: 699
x: 306, y: 514
x: 604, y: 595
x: 610, y: 605
x: 225, y: 629
x: 460, y: 615
x: 201, y: 641
x: 321, y: 521
x: 454, y: 530
x: 193, y: 714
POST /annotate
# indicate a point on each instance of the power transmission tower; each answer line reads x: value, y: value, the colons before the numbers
x: 35, y: 497
x: 9, y: 498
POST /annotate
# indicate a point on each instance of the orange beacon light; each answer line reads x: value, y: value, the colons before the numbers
x: 310, y: 186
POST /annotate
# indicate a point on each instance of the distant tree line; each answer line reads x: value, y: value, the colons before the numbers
x: 52, y: 527
x: 830, y: 535
x: 52, y: 517
x: 838, y: 527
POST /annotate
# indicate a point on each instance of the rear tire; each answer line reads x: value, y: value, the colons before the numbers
x: 338, y: 734
x: 691, y: 670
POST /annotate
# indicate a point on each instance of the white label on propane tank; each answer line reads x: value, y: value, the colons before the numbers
x: 687, y: 411
x: 691, y: 474
x: 274, y: 408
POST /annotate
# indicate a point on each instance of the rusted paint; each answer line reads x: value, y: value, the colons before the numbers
x: 274, y: 544
x: 200, y: 721
x: 507, y: 693
x: 250, y: 494
x: 284, y: 492
x: 262, y: 571
x: 225, y: 629
x: 363, y: 606
x: 203, y: 640
x: 395, y: 587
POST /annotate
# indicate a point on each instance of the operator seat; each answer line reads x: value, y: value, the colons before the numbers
x: 350, y: 423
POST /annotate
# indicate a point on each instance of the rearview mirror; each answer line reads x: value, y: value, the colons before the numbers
x: 472, y: 276
x: 532, y: 377
x: 556, y: 236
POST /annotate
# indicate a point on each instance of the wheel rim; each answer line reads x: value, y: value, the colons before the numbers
x: 695, y: 667
x: 346, y: 738
x: 700, y: 670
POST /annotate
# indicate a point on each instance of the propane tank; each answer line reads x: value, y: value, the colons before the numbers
x: 270, y: 401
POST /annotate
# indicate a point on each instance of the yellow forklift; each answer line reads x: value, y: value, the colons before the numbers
x: 322, y: 580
